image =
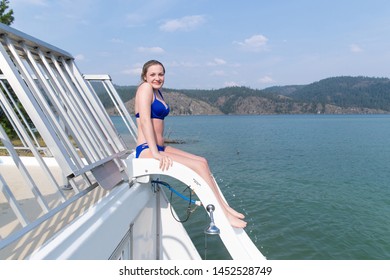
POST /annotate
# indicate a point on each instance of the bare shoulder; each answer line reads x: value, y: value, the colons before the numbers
x: 144, y: 91
x: 145, y: 87
x: 144, y: 94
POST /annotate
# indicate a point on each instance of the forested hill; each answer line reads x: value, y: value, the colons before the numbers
x: 348, y: 92
x: 337, y: 95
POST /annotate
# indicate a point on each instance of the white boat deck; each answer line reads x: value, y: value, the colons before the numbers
x: 175, y: 242
x: 9, y: 223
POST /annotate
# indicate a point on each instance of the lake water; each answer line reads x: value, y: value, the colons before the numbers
x: 311, y: 186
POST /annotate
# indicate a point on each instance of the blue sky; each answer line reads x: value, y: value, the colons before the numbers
x: 210, y: 44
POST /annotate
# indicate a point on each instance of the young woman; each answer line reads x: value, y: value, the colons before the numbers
x: 151, y: 109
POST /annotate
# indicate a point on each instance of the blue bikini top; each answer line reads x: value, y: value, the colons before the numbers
x: 158, y: 110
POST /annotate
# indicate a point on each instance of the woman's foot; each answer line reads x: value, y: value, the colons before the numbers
x: 236, y: 222
x: 232, y: 211
x: 235, y: 213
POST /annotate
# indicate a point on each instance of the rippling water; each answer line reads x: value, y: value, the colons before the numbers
x: 312, y: 187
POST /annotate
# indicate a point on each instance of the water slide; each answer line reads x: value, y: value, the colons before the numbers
x: 236, y: 240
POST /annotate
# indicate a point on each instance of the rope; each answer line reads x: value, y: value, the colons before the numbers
x: 190, y: 201
x: 176, y: 192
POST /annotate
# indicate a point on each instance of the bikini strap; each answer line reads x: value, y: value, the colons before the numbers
x: 161, y: 94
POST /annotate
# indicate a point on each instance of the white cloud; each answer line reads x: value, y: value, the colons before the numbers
x: 79, y: 57
x: 218, y: 73
x: 144, y: 14
x: 184, y: 64
x: 186, y: 23
x: 266, y: 80
x: 132, y: 71
x: 254, y: 43
x: 231, y: 84
x: 151, y: 50
x: 217, y: 61
x: 355, y: 48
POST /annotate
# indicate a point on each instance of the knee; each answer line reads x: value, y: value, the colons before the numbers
x: 203, y: 160
x: 204, y: 163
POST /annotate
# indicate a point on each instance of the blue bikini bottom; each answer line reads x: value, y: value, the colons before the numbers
x: 144, y: 146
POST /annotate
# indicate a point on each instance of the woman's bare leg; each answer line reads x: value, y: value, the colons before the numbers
x: 210, y: 180
x: 200, y: 166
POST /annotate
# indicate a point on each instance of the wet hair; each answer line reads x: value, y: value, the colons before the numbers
x: 146, y: 67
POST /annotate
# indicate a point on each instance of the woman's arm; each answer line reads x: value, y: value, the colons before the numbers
x: 144, y: 99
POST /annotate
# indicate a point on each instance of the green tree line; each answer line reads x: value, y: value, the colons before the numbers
x: 344, y: 92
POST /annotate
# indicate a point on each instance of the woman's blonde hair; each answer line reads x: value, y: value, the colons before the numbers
x: 146, y: 67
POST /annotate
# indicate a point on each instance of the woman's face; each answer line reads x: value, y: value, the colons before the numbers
x: 155, y: 76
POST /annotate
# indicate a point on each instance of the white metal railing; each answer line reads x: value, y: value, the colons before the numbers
x: 105, y: 80
x: 54, y: 111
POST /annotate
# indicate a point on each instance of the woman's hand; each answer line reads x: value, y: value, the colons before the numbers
x: 165, y: 161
